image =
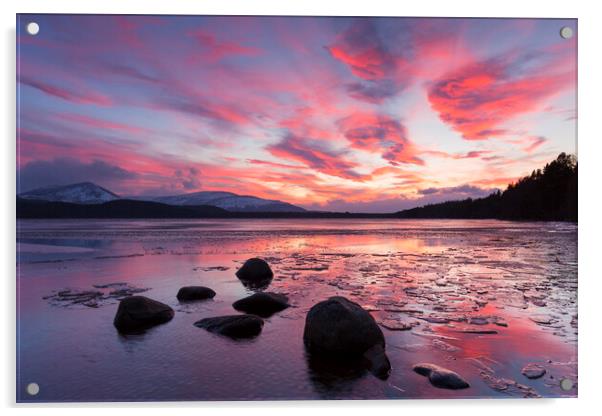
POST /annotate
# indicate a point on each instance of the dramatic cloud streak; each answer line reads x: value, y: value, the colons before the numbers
x: 535, y: 143
x: 65, y: 93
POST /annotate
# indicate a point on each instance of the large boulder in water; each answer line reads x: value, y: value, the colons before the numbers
x: 189, y: 293
x: 263, y: 304
x: 340, y: 328
x: 255, y: 273
x: 137, y: 313
x: 233, y: 326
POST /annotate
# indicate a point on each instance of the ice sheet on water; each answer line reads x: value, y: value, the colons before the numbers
x: 99, y: 295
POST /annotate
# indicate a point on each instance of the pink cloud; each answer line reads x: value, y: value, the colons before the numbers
x: 479, y: 98
x: 386, y: 61
x: 213, y: 49
x: 380, y: 133
x: 473, y: 154
x: 362, y: 50
x: 367, y: 55
x: 274, y: 164
x: 312, y: 155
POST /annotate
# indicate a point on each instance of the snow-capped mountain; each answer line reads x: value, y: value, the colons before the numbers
x: 195, y: 198
x: 90, y: 193
x: 79, y: 193
x: 229, y: 201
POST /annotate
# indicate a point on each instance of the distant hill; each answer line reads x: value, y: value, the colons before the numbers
x: 549, y: 195
x: 90, y: 193
x: 229, y: 201
x: 79, y: 193
x: 122, y: 208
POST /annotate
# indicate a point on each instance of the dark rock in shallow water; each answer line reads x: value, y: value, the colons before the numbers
x: 137, y: 313
x: 263, y: 304
x: 188, y: 293
x: 233, y: 326
x: 533, y: 371
x: 441, y: 377
x: 255, y: 274
x: 340, y: 328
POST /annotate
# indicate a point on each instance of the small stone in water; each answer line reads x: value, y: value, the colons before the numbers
x: 542, y: 319
x: 394, y: 325
x: 533, y: 371
x: 441, y: 377
x: 436, y: 319
x: 444, y: 346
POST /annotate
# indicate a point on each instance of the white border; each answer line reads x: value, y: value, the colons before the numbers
x: 590, y: 137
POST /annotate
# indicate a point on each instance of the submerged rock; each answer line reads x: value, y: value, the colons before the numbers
x: 533, y: 370
x: 255, y: 274
x: 542, y: 319
x: 478, y: 320
x: 137, y: 313
x: 340, y: 328
x: 188, y: 293
x: 436, y: 319
x: 441, y: 377
x: 478, y: 331
x: 263, y: 304
x: 233, y: 326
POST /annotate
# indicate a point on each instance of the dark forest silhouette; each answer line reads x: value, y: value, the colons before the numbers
x: 548, y: 194
x: 122, y: 208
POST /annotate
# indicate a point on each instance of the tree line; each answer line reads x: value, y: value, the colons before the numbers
x: 548, y: 194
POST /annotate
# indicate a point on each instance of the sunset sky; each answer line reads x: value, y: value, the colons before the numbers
x: 353, y: 114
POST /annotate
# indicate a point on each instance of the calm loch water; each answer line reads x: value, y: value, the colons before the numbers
x: 486, y: 298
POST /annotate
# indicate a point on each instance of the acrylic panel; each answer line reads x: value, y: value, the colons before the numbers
x: 285, y: 208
